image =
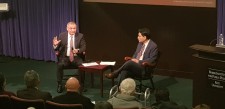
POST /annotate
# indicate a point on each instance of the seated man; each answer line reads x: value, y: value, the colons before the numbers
x: 2, y: 86
x: 70, y: 47
x: 72, y: 96
x: 31, y: 91
x: 126, y: 98
x: 146, y: 51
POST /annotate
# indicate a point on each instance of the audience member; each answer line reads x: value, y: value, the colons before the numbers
x: 31, y: 91
x: 2, y: 86
x: 171, y: 105
x: 72, y: 96
x: 202, y: 106
x: 103, y: 105
x: 126, y: 97
x: 161, y: 95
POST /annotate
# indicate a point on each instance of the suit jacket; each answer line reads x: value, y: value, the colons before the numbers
x: 62, y: 47
x: 33, y: 93
x: 74, y: 98
x: 124, y: 101
x: 150, y: 54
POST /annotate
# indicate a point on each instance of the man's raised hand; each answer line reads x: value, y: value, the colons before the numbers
x: 55, y: 41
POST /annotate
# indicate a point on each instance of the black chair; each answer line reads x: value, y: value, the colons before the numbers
x: 53, y: 105
x: 148, y: 73
x: 5, y: 102
x: 74, y: 74
x: 19, y: 103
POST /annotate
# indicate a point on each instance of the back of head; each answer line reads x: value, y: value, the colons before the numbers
x: 31, y: 79
x: 127, y: 86
x: 2, y: 81
x: 202, y: 106
x: 103, y: 105
x: 162, y: 94
x: 72, y: 84
x: 145, y: 32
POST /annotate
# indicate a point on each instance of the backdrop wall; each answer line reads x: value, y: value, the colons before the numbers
x: 111, y: 32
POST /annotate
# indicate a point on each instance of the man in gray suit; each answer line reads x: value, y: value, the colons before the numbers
x: 147, y: 51
x: 69, y: 47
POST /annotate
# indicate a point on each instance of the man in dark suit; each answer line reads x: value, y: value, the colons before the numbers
x: 70, y: 47
x: 147, y: 51
x: 31, y: 91
x: 72, y: 96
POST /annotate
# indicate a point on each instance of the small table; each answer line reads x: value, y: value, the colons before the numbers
x: 97, y: 69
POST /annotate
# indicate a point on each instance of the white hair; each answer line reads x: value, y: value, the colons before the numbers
x: 127, y: 86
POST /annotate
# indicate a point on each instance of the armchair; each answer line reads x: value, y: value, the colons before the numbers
x: 148, y: 73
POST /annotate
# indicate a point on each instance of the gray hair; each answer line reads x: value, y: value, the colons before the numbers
x: 71, y: 23
x: 127, y: 86
x: 31, y: 78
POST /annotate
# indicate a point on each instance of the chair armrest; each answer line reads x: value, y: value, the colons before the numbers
x: 147, y: 64
x: 127, y: 58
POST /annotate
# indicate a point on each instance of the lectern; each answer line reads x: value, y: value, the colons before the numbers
x: 209, y: 76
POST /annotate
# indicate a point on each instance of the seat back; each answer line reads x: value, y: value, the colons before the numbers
x: 53, y: 105
x: 127, y: 108
x: 19, y: 103
x: 5, y: 102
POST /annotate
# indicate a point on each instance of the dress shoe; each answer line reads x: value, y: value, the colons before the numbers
x: 111, y: 75
x: 59, y: 88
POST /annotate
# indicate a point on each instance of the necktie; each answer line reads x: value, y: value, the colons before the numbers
x: 71, y: 49
x: 140, y: 52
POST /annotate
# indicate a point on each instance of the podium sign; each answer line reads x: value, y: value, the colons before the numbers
x: 209, y: 76
x: 216, y: 79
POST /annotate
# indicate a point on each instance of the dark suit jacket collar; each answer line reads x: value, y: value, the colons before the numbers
x: 72, y: 93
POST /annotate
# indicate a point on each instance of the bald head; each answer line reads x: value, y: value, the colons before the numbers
x: 72, y: 84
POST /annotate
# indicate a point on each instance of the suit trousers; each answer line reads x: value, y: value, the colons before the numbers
x: 129, y: 69
x: 64, y: 63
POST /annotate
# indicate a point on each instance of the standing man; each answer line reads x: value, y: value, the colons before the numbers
x: 69, y: 47
x: 147, y: 51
